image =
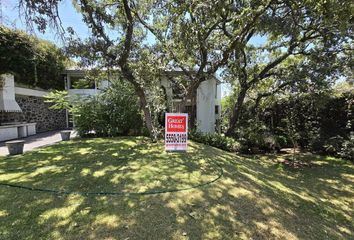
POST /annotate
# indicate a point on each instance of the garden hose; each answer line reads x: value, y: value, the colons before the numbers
x: 152, y: 192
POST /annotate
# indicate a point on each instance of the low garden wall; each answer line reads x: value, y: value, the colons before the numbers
x: 34, y: 109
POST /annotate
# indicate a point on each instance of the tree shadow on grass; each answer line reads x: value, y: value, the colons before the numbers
x: 254, y: 198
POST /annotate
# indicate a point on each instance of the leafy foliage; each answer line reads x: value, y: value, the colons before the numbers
x: 33, y: 61
x: 308, y: 46
x: 216, y: 140
x: 347, y: 150
x: 227, y: 103
x: 333, y: 145
x: 255, y: 137
x: 319, y: 122
x: 113, y: 112
x: 307, y: 42
x: 108, y: 116
x: 59, y: 99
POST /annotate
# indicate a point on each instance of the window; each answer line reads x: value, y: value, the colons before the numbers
x: 65, y: 79
x: 216, y: 109
x: 216, y: 90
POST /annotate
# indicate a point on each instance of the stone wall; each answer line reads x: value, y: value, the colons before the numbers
x: 34, y: 109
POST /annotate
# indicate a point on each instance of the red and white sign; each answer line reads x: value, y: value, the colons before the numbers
x: 176, y: 128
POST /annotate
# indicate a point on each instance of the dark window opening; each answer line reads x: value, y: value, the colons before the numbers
x: 216, y: 91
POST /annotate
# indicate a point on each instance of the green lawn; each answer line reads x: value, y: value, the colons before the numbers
x: 224, y: 196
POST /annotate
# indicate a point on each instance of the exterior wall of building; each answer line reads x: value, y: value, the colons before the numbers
x: 7, y: 94
x: 83, y: 92
x: 206, y: 96
x: 218, y: 104
x: 35, y: 110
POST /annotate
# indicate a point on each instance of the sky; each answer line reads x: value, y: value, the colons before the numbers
x: 68, y: 15
x: 70, y: 18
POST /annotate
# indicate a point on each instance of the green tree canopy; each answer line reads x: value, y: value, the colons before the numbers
x: 115, y: 41
x: 307, y: 44
x: 203, y: 37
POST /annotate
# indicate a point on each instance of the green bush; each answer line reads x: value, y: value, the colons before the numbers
x: 317, y: 122
x: 333, y: 145
x: 347, y: 150
x: 264, y: 143
x: 216, y: 140
x: 115, y: 112
x: 86, y: 117
x: 255, y: 137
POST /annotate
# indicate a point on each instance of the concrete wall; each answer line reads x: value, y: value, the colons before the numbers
x: 206, y: 97
x: 34, y: 109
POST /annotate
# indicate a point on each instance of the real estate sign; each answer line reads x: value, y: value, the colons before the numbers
x: 176, y: 128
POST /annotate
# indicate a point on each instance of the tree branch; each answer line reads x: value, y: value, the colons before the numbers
x: 239, y: 38
x: 270, y: 93
x: 166, y: 48
x: 97, y: 27
x: 128, y: 35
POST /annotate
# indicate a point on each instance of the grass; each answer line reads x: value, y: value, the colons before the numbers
x: 257, y: 197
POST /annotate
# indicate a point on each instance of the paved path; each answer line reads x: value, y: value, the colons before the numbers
x: 35, y: 141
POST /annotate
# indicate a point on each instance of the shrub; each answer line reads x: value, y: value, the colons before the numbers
x: 333, y: 145
x: 347, y: 150
x: 112, y: 113
x: 314, y: 122
x: 264, y: 143
x: 255, y: 137
x: 86, y: 117
x: 216, y: 140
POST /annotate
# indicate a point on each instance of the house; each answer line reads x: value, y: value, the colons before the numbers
x: 206, y: 102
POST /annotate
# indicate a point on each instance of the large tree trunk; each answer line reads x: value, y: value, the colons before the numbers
x: 143, y: 103
x: 146, y: 110
x: 237, y: 111
x: 193, y: 111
